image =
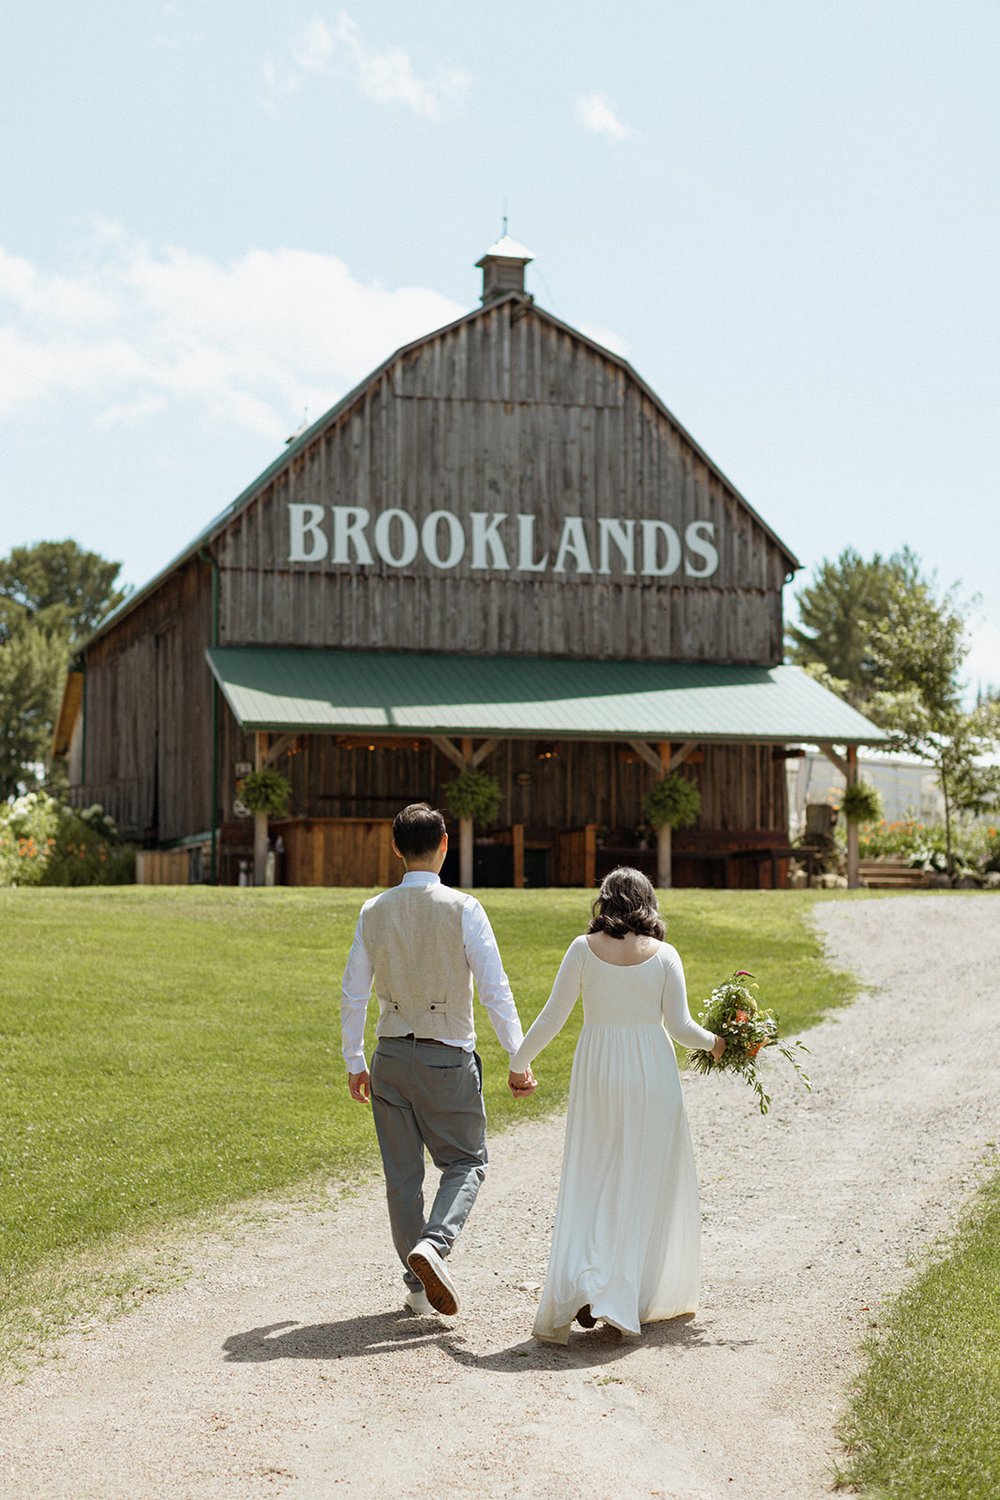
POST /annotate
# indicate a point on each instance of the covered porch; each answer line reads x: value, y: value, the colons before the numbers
x: 574, y: 744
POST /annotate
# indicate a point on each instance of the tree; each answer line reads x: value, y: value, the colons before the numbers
x: 52, y: 595
x: 838, y: 612
x: 877, y: 633
x: 917, y: 652
x: 32, y: 668
x: 60, y: 585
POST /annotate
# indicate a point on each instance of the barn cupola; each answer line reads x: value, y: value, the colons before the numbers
x: 503, y: 268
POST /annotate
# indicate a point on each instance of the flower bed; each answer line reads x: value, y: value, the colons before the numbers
x: 45, y: 842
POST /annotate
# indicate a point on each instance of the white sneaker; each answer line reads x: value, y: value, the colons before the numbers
x: 418, y: 1304
x: 428, y: 1264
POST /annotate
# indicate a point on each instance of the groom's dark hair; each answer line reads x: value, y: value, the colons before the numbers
x: 418, y: 830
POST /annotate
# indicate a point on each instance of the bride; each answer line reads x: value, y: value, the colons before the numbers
x: 626, y: 1243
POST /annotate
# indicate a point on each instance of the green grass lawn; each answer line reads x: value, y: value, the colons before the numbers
x: 924, y: 1423
x: 165, y: 1051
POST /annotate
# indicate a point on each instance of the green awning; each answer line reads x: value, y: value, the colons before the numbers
x: 393, y: 692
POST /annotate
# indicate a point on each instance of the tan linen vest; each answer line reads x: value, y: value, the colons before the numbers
x: 413, y: 936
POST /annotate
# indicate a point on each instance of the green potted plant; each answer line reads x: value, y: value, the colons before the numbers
x: 473, y: 794
x: 266, y: 791
x: 861, y: 803
x: 673, y: 802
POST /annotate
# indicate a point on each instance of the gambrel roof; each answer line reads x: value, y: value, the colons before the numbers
x: 330, y: 418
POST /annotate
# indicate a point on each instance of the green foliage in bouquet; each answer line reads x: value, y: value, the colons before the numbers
x: 861, y: 803
x: 732, y: 1011
x: 45, y: 842
x: 674, y: 800
x: 474, y: 794
x: 266, y: 791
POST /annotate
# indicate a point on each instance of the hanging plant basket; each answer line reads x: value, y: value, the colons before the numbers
x: 862, y: 803
x: 266, y: 791
x: 474, y: 794
x: 674, y: 800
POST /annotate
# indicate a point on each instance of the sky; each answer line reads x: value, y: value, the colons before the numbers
x: 215, y: 218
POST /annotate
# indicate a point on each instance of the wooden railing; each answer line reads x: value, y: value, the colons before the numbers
x: 337, y: 851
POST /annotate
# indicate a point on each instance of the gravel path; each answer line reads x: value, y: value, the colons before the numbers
x: 283, y: 1367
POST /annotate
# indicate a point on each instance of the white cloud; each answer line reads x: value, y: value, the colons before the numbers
x: 134, y: 330
x: 312, y: 47
x: 596, y: 112
x: 387, y: 77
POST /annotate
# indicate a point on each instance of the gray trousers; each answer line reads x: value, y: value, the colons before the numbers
x: 428, y: 1096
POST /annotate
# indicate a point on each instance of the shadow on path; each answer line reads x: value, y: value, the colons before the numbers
x: 384, y: 1333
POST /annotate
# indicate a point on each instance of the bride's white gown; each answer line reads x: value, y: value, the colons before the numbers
x: 627, y: 1235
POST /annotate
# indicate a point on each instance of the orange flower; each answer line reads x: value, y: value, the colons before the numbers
x: 741, y: 1015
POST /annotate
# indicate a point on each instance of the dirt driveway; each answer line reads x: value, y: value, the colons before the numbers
x: 284, y: 1367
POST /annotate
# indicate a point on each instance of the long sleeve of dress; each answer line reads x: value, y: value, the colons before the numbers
x: 557, y: 1009
x: 678, y: 1020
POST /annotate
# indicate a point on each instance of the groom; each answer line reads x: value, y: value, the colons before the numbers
x: 423, y: 944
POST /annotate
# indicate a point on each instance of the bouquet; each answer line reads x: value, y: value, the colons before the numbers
x: 732, y: 1011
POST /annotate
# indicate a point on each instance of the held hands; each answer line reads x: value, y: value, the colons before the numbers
x: 522, y: 1084
x: 719, y: 1048
x: 359, y: 1087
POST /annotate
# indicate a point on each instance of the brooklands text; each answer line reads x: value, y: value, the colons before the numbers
x: 350, y: 535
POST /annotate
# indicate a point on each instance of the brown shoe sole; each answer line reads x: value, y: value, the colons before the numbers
x: 440, y: 1298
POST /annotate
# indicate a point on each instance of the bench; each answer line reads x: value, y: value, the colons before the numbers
x: 892, y: 875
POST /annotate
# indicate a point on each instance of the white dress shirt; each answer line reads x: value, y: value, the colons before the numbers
x: 484, y: 960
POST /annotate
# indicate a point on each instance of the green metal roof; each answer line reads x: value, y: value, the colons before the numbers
x: 385, y: 692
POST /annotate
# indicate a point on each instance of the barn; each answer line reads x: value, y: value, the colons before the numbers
x: 501, y: 550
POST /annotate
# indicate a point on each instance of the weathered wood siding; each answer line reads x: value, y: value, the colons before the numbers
x: 742, y: 786
x: 352, y: 851
x: 505, y: 413
x: 147, y: 719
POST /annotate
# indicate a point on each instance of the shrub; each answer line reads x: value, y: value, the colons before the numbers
x: 474, y: 794
x: 976, y: 846
x: 674, y: 800
x: 45, y: 842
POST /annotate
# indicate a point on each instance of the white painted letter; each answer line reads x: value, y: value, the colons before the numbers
x: 429, y: 539
x: 622, y: 533
x: 699, y: 538
x: 573, y: 543
x: 526, y: 547
x: 651, y: 532
x: 349, y: 522
x: 304, y: 522
x: 485, y: 525
x: 410, y: 539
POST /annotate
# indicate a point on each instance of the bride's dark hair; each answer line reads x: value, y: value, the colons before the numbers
x: 626, y: 903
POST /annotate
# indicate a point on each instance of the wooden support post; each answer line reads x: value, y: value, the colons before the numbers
x: 465, y: 832
x: 664, y: 855
x: 853, y: 863
x: 384, y: 853
x: 259, y: 819
x: 590, y: 855
x: 517, y: 848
